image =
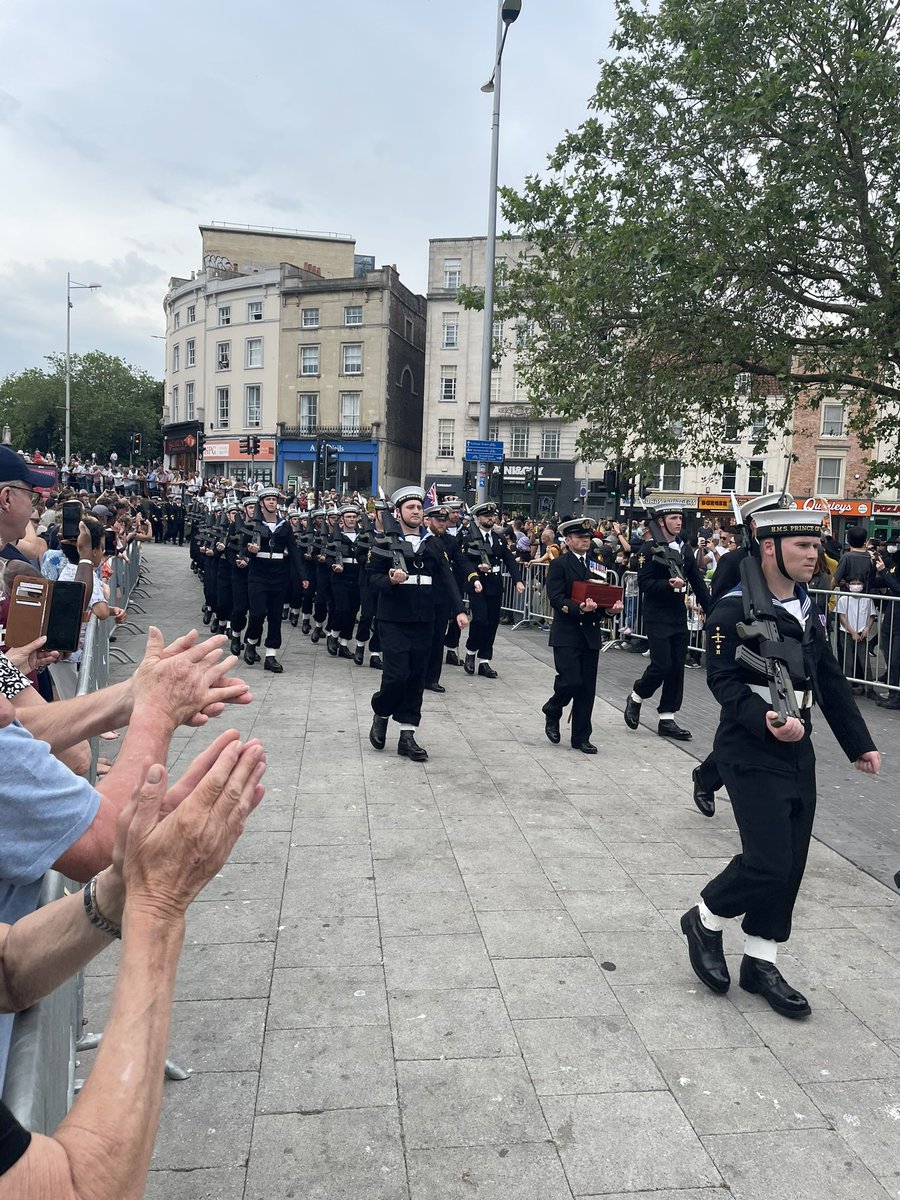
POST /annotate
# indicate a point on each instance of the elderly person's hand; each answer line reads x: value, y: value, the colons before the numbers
x: 187, y: 679
x: 31, y: 657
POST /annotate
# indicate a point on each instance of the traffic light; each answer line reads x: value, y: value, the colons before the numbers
x: 254, y: 446
x: 331, y: 461
x: 136, y: 442
x: 201, y: 443
x: 245, y: 446
x: 611, y: 481
x: 529, y: 478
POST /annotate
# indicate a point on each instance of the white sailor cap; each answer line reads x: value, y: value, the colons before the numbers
x: 487, y: 509
x: 348, y: 508
x: 267, y: 493
x: 671, y: 508
x: 578, y: 525
x: 771, y: 500
x: 788, y: 522
x: 407, y: 493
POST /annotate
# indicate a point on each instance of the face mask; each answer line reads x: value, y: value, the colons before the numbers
x: 892, y: 549
x: 855, y: 587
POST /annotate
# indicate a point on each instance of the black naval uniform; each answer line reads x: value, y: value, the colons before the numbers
x: 239, y: 560
x: 268, y: 581
x: 405, y: 624
x: 444, y: 613
x: 772, y: 784
x: 575, y: 637
x: 665, y: 624
x: 484, y: 606
x: 345, y: 586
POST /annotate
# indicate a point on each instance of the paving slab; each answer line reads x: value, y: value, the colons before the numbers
x: 529, y: 1172
x: 464, y: 1023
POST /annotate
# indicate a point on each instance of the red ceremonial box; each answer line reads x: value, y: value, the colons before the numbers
x: 605, y: 594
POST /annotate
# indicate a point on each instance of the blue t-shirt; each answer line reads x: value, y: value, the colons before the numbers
x: 44, y: 809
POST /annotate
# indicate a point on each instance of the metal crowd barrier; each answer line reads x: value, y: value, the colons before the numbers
x: 40, y: 1072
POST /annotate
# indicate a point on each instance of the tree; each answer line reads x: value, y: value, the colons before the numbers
x: 110, y: 400
x: 721, y: 240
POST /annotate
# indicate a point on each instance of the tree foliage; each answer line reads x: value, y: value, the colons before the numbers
x: 110, y: 400
x: 729, y: 214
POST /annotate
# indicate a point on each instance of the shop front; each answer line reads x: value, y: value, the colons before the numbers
x: 886, y: 520
x: 357, y: 462
x: 223, y: 458
x: 180, y: 446
x: 841, y: 514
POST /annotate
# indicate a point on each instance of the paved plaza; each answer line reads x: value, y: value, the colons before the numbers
x: 465, y: 979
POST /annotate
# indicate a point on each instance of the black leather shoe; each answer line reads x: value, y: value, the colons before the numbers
x: 272, y: 664
x: 236, y: 646
x: 487, y: 671
x: 207, y: 616
x: 705, y: 949
x: 285, y: 612
x: 451, y: 658
x: 375, y: 663
x: 250, y: 655
x: 214, y: 625
x: 305, y: 627
x: 360, y: 654
x: 331, y: 645
x: 670, y: 730
x: 316, y: 634
x: 767, y: 981
x: 891, y: 701
x: 408, y: 747
x: 585, y: 747
x: 632, y: 713
x: 294, y: 619
x: 435, y: 687
x: 551, y: 728
x: 703, y: 797
x: 378, y: 732
x: 469, y: 664
x: 344, y: 652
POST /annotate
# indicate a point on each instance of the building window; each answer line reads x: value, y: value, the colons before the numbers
x: 253, y: 405
x: 496, y: 380
x: 520, y: 389
x: 191, y: 313
x: 446, y: 438
x: 350, y: 406
x: 254, y: 310
x: 518, y: 441
x: 254, y: 352
x: 174, y: 403
x: 353, y: 314
x: 729, y: 476
x: 223, y: 356
x: 524, y: 333
x: 759, y: 429
x: 307, y: 410
x: 176, y: 357
x: 351, y: 358
x: 222, y: 407
x: 756, y: 477
x: 189, y: 402
x: 409, y: 329
x: 730, y: 431
x: 494, y: 431
x: 832, y: 420
x: 190, y: 353
x: 309, y: 318
x: 550, y: 442
x: 670, y: 475
x: 452, y: 273
x: 225, y: 314
x: 309, y: 360
x: 176, y: 321
x: 497, y: 333
x: 448, y: 383
x: 828, y: 476
x: 450, y: 330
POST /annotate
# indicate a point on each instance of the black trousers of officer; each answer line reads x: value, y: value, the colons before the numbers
x: 452, y: 635
x: 210, y: 580
x: 267, y: 588
x: 177, y: 531
x: 346, y: 606
x: 709, y: 777
x: 575, y: 682
x: 322, y: 606
x: 667, y: 654
x: 442, y: 614
x: 774, y: 813
x: 240, y: 597
x: 485, y: 610
x: 405, y: 649
x: 367, y: 603
x: 224, y: 598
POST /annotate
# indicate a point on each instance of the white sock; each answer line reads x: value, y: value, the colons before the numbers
x: 270, y: 653
x: 249, y: 643
x: 319, y: 624
x: 708, y: 919
x: 763, y: 948
x: 667, y: 716
x: 636, y: 698
x: 407, y: 728
x: 342, y: 641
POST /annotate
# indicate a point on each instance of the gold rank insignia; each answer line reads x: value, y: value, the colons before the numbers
x: 642, y: 558
x: 718, y: 637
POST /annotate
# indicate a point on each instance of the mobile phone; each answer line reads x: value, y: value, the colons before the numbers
x: 110, y: 542
x: 71, y: 518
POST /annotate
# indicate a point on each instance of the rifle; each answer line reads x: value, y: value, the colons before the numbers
x: 774, y: 657
x: 662, y: 551
x: 399, y: 549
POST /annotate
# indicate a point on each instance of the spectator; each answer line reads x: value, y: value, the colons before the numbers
x: 856, y: 619
x: 856, y: 564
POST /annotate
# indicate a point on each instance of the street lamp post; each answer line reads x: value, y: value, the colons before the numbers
x: 70, y: 284
x: 508, y: 11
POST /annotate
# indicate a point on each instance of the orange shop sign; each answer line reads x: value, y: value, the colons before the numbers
x: 230, y: 450
x: 718, y: 503
x: 837, y: 508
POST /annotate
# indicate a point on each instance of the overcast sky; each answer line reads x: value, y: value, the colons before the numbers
x: 122, y: 127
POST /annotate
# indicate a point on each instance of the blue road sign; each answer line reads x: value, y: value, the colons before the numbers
x: 483, y: 451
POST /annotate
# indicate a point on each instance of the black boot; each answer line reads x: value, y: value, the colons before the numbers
x: 331, y: 644
x: 704, y: 798
x: 294, y: 618
x: 670, y: 730
x: 305, y: 627
x: 250, y: 655
x: 766, y: 980
x: 632, y: 712
x: 705, y: 950
x: 360, y: 654
x: 272, y: 664
x: 375, y: 662
x: 316, y: 634
x: 236, y: 646
x: 451, y: 658
x: 469, y: 664
x: 378, y: 732
x: 410, y: 748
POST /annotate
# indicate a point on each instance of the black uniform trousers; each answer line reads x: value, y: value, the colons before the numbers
x: 240, y: 597
x: 210, y: 581
x: 267, y: 588
x: 177, y: 527
x: 367, y: 605
x: 322, y: 606
x: 224, y: 599
x: 405, y: 648
x: 485, y: 609
x: 774, y: 812
x: 667, y: 654
x: 575, y: 682
x: 442, y: 615
x: 452, y: 636
x: 345, y: 596
x: 709, y: 777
